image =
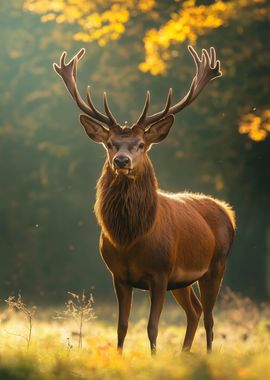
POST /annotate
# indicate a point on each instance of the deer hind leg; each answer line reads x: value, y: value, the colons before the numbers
x: 124, y: 298
x: 209, y: 286
x: 187, y: 298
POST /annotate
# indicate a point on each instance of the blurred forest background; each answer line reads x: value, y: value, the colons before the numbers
x: 219, y: 145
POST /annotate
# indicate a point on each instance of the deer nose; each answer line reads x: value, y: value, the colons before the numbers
x: 121, y: 161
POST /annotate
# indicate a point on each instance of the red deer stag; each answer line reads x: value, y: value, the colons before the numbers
x: 150, y: 239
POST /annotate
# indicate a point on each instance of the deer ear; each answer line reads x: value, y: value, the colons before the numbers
x: 95, y: 131
x: 159, y: 130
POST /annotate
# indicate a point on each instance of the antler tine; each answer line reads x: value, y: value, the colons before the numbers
x: 207, y: 69
x: 213, y: 56
x: 107, y: 109
x: 145, y: 109
x: 196, y: 58
x: 89, y: 99
x: 144, y: 120
x: 77, y: 57
x: 68, y: 72
x: 169, y: 100
x: 97, y: 114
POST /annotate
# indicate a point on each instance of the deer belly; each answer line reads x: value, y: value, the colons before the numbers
x: 183, y: 277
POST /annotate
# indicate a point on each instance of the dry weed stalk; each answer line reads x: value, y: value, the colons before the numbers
x: 241, y: 311
x: 80, y: 309
x: 243, y: 314
x: 29, y: 312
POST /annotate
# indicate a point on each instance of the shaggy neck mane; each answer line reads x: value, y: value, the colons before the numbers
x: 126, y: 208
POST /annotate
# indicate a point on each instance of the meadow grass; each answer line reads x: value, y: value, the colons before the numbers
x: 241, y: 346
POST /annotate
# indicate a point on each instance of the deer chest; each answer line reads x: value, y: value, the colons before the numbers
x: 136, y: 265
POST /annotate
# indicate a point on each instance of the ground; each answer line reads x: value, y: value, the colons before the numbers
x: 241, y: 345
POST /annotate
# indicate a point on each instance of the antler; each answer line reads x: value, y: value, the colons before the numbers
x: 207, y: 69
x: 68, y: 72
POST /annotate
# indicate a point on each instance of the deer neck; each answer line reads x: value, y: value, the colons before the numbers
x: 126, y: 208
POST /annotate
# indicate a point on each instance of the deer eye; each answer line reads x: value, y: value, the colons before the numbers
x: 109, y: 145
x: 141, y: 145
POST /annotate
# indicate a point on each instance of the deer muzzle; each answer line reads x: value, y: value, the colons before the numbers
x: 121, y: 162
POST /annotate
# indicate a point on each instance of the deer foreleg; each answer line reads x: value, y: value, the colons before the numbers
x: 124, y: 298
x: 157, y: 295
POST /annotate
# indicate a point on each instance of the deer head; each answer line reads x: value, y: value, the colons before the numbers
x: 126, y: 146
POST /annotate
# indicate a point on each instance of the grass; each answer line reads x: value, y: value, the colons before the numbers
x: 241, y: 346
